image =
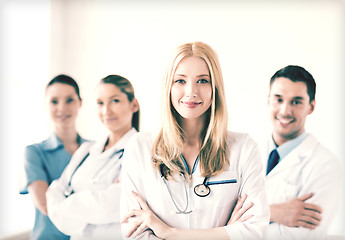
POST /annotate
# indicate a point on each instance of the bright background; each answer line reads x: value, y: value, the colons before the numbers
x: 89, y: 40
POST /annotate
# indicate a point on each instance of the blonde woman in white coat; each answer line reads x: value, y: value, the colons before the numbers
x: 185, y: 182
x: 84, y: 202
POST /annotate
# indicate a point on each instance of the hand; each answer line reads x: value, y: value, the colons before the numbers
x: 239, y: 210
x: 297, y: 213
x: 145, y: 218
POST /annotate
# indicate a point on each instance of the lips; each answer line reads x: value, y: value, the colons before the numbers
x: 285, y: 121
x: 63, y: 117
x: 191, y: 104
x: 108, y: 120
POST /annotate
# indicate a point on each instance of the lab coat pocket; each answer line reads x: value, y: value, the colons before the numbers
x: 286, y: 191
x: 224, y: 188
x: 221, y: 200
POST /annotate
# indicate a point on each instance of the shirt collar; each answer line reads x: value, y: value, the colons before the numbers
x: 123, y: 141
x: 118, y: 145
x: 186, y: 165
x: 287, y: 147
x: 53, y: 142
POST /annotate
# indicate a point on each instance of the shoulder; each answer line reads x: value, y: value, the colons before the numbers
x: 243, y: 150
x: 34, y: 149
x: 139, y: 149
x: 35, y: 156
x: 311, y: 146
x: 52, y: 143
x: 141, y: 139
x: 239, y: 140
x: 313, y: 149
x: 84, y: 148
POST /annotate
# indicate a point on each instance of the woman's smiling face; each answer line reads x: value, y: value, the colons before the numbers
x: 63, y: 104
x: 191, y: 90
x: 114, y: 109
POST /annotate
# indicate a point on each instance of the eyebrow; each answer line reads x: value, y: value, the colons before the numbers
x: 294, y: 98
x: 113, y: 96
x: 201, y: 75
x: 67, y: 96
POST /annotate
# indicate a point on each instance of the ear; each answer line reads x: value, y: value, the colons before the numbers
x: 135, y: 105
x: 312, y: 106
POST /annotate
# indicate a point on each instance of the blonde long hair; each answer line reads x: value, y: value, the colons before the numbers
x: 168, y: 146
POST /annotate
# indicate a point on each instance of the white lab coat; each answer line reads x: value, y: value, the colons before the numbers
x: 140, y: 175
x: 92, y: 211
x: 310, y: 167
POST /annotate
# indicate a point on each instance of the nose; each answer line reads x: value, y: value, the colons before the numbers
x: 61, y: 106
x: 285, y: 109
x: 105, y: 109
x: 190, y: 90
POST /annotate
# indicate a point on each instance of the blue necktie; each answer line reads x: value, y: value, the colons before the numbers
x: 272, y: 160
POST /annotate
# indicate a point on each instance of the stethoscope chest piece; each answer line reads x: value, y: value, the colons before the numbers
x: 68, y: 192
x: 202, y: 190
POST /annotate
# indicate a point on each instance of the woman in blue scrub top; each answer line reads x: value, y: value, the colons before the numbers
x: 45, y: 161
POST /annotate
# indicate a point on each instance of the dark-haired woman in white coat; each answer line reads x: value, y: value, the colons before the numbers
x: 84, y: 202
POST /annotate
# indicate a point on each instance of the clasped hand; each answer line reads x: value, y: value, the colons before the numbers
x: 145, y: 218
x: 297, y: 213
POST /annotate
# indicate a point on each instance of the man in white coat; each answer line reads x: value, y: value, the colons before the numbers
x: 302, y: 176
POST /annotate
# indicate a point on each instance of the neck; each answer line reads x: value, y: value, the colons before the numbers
x: 280, y: 140
x: 115, y: 136
x: 193, y: 129
x: 66, y: 135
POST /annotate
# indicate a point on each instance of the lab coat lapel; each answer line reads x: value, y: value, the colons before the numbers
x: 296, y: 157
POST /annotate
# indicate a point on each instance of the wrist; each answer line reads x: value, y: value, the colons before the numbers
x: 274, y: 213
x: 171, y: 233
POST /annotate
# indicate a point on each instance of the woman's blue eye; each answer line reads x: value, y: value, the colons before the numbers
x: 180, y: 81
x: 54, y: 101
x: 116, y: 100
x: 99, y: 103
x: 203, y: 81
x: 69, y: 100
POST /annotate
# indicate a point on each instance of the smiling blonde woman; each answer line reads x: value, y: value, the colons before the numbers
x: 195, y: 179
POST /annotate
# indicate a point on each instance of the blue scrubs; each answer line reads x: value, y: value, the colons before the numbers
x: 45, y: 161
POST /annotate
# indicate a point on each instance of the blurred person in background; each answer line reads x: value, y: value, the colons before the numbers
x: 302, y: 176
x: 85, y: 201
x: 45, y: 161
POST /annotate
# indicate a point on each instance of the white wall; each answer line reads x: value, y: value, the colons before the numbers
x: 91, y: 39
x: 24, y: 69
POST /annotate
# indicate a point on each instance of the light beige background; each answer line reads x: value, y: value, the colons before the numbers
x: 91, y: 39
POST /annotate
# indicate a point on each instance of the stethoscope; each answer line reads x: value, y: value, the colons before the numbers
x: 69, y: 191
x: 201, y: 190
